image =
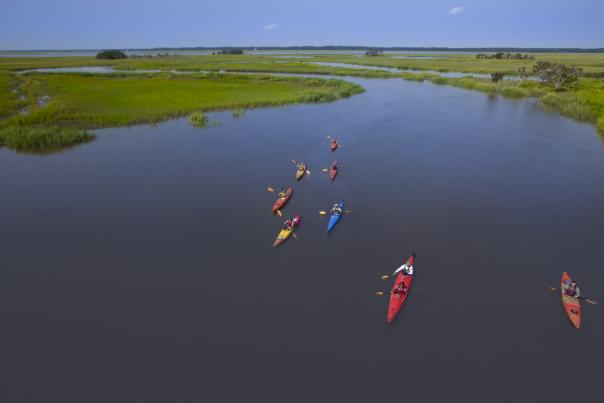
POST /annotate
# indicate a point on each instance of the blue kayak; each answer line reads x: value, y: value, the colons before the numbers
x: 335, y: 216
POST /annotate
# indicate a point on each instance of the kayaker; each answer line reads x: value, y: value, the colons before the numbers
x: 572, y: 290
x: 406, y: 269
x: 288, y: 224
x: 400, y: 289
x: 282, y: 193
x: 336, y: 209
x: 334, y: 165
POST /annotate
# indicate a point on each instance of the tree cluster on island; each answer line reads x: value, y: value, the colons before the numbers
x: 508, y: 55
x: 111, y: 54
x: 230, y: 51
x: 374, y: 52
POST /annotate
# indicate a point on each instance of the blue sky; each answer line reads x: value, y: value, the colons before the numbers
x: 87, y: 24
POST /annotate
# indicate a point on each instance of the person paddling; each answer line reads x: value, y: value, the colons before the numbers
x: 282, y: 193
x: 406, y: 269
x: 400, y: 289
x: 336, y: 209
x: 571, y: 289
x: 334, y: 166
x: 288, y: 224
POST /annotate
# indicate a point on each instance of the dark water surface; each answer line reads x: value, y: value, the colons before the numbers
x: 139, y: 267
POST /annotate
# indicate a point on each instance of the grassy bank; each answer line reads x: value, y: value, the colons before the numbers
x: 87, y: 101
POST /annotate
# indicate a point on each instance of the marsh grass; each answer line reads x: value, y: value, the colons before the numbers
x: 198, y: 119
x: 42, y: 139
x: 86, y: 100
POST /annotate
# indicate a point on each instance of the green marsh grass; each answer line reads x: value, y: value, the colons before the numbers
x: 198, y: 119
x: 42, y: 139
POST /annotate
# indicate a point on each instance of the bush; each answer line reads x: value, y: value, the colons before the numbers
x: 198, y: 119
x: 42, y: 139
x: 111, y: 54
x: 601, y: 124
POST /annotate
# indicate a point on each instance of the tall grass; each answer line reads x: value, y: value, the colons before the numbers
x: 38, y: 139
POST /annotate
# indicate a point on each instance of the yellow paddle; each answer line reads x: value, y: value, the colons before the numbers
x: 589, y: 301
x: 385, y: 276
x: 280, y: 213
x: 380, y: 293
x: 322, y: 212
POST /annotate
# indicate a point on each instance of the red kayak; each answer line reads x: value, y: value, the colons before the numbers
x: 333, y: 171
x: 334, y: 144
x: 398, y: 299
x: 282, y: 200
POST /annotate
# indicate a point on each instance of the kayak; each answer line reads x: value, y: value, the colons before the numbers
x: 333, y: 171
x: 397, y: 300
x: 281, y: 201
x: 335, y: 217
x: 571, y: 305
x: 300, y: 171
x: 285, y: 233
x: 333, y: 145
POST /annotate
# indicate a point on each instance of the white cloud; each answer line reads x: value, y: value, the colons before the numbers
x: 456, y: 10
x: 271, y: 27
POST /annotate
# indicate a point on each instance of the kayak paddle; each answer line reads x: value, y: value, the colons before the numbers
x: 589, y: 301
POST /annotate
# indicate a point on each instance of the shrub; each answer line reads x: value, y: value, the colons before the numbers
x: 111, y: 54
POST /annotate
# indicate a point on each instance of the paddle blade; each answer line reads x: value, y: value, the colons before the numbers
x: 294, y: 235
x: 294, y: 162
x: 280, y: 213
x: 385, y: 276
x: 380, y: 293
x: 348, y: 211
x: 270, y: 189
x: 325, y: 169
x: 322, y: 212
x: 552, y: 289
x: 589, y: 301
x: 328, y: 137
x: 307, y: 172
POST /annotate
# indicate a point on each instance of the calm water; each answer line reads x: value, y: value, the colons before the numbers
x: 139, y: 267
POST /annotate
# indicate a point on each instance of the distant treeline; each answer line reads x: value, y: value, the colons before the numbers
x: 396, y: 48
x: 334, y: 47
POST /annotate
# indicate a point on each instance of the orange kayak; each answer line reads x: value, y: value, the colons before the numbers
x: 571, y: 305
x: 282, y: 200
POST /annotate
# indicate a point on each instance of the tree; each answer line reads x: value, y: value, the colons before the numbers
x: 558, y: 75
x: 497, y: 76
x: 111, y: 54
x: 499, y: 55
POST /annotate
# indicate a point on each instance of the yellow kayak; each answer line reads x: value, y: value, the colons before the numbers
x: 286, y: 232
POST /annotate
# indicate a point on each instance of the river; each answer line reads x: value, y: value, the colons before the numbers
x: 139, y: 267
